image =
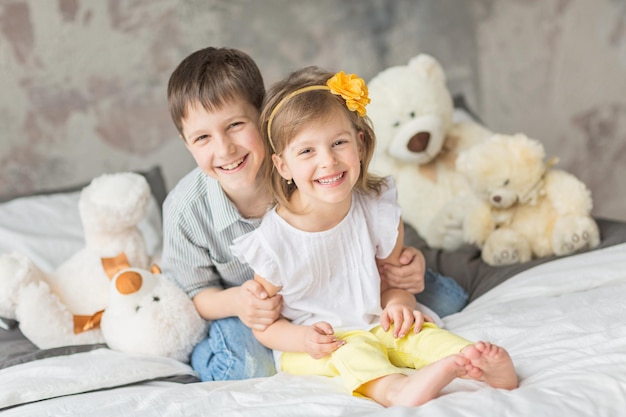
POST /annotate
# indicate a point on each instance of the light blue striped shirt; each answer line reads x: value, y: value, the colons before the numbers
x: 199, y: 225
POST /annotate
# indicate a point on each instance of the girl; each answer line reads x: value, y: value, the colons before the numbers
x: 320, y: 246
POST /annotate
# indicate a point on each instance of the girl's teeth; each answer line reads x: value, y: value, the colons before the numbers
x: 233, y: 165
x: 326, y: 181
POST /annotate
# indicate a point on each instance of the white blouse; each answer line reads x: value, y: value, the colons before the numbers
x: 331, y: 275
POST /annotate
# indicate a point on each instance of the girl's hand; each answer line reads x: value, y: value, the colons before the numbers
x: 402, y: 317
x: 320, y: 340
x: 409, y: 275
x: 257, y: 309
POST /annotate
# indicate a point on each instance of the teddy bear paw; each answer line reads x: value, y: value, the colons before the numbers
x: 573, y: 233
x: 505, y: 247
x: 16, y: 271
x: 446, y: 230
x: 504, y: 257
x: 47, y: 322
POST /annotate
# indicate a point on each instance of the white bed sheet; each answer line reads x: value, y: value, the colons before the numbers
x: 563, y: 323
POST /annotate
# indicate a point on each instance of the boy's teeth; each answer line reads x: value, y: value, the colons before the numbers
x: 330, y: 180
x: 233, y: 165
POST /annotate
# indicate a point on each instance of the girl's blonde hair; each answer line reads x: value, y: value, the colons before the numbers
x: 286, y: 116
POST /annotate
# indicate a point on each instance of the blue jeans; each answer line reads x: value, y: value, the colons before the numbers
x: 231, y: 352
x: 442, y: 294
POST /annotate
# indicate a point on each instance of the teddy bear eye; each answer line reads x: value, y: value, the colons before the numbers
x: 156, y: 299
x: 505, y: 183
x: 396, y: 124
x: 137, y: 308
x: 412, y: 115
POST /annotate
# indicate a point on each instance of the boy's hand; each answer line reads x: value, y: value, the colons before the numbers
x: 410, y: 275
x: 257, y: 310
x: 402, y: 317
x: 320, y: 340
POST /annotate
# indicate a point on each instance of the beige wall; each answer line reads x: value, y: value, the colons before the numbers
x: 82, y: 82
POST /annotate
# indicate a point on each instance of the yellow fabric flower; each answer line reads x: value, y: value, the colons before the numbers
x: 352, y: 89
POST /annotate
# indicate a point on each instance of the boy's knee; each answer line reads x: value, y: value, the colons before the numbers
x: 442, y: 294
x: 211, y: 365
x: 231, y: 353
x: 224, y: 366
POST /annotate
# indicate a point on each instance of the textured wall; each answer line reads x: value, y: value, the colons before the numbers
x: 556, y: 70
x: 82, y: 82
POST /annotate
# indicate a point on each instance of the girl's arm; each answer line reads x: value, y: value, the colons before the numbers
x: 389, y: 294
x: 398, y: 304
x: 404, y: 268
x: 317, y: 340
x: 410, y: 274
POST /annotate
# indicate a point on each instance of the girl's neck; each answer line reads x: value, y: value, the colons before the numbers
x: 314, y: 217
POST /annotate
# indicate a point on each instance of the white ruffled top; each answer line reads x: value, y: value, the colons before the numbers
x: 330, y: 275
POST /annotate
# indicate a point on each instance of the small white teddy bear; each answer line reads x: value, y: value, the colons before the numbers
x: 61, y: 308
x: 149, y: 314
x: 418, y: 137
x: 520, y: 207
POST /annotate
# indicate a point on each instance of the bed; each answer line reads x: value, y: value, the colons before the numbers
x: 562, y: 320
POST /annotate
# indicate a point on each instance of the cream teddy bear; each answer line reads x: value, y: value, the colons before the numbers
x: 418, y: 137
x: 149, y: 314
x: 519, y: 207
x: 63, y: 307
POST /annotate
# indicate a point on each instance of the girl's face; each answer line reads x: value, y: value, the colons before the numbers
x: 226, y: 143
x: 323, y: 160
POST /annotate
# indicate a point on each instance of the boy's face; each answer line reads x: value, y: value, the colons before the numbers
x: 226, y: 143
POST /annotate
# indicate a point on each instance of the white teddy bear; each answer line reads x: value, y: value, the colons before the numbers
x: 520, y: 207
x: 149, y: 314
x: 62, y: 307
x: 417, y: 142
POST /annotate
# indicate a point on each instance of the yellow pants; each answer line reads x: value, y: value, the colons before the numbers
x: 368, y: 355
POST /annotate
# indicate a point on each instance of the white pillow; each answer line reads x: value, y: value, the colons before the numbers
x: 47, y: 228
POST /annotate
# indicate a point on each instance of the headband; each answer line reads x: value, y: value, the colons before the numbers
x: 349, y: 86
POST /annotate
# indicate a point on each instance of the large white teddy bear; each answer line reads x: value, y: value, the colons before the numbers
x: 520, y: 207
x: 417, y: 142
x: 63, y: 307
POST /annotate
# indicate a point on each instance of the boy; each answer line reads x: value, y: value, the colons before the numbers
x: 215, y: 97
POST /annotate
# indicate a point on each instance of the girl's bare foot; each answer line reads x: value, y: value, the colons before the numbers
x: 492, y: 364
x: 426, y: 383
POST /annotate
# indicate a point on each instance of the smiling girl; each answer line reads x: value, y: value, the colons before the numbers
x: 321, y: 246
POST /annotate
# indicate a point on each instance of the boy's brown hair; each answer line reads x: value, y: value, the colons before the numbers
x: 296, y: 113
x: 212, y: 77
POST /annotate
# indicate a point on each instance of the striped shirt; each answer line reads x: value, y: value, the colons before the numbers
x: 199, y: 225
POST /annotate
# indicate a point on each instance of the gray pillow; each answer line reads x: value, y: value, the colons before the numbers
x: 154, y: 176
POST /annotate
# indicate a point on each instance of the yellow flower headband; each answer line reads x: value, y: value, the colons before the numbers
x: 349, y: 86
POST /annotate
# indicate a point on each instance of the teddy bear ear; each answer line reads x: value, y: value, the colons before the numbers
x: 428, y: 67
x: 532, y: 144
x: 463, y: 162
x: 128, y: 282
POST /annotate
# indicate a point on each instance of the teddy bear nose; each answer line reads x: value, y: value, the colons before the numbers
x: 496, y: 198
x: 418, y: 142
